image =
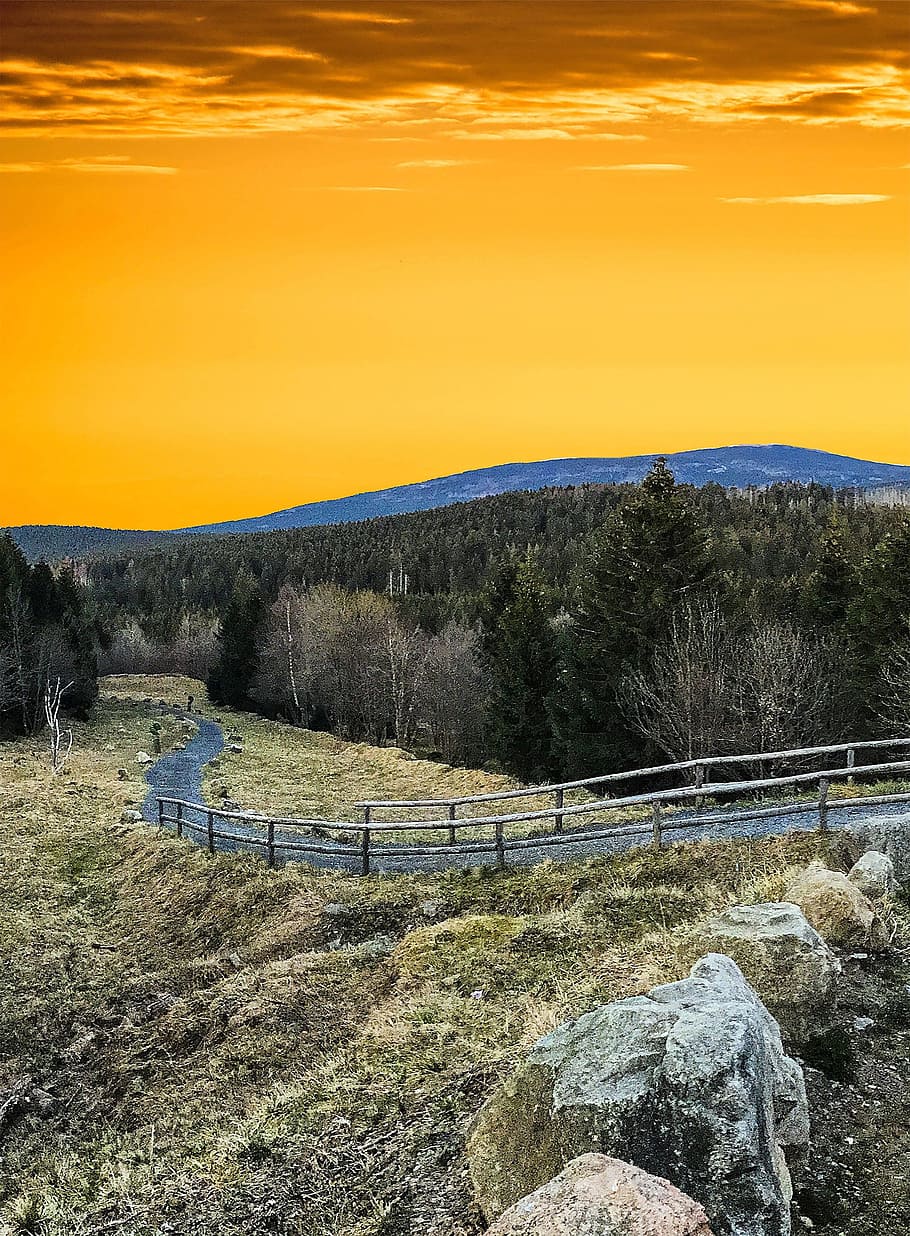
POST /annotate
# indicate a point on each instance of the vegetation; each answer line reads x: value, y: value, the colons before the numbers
x: 556, y: 633
x: 206, y: 1046
x: 47, y: 643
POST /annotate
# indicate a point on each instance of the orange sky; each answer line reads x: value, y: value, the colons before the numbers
x: 260, y: 254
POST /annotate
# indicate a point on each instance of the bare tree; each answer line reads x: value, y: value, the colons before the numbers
x: 894, y: 705
x: 54, y: 692
x: 454, y: 693
x: 683, y: 699
x: 406, y: 667
x: 785, y: 688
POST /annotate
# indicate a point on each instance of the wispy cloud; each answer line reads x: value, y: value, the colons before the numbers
x: 812, y: 199
x: 97, y: 163
x: 634, y: 167
x: 363, y: 189
x: 437, y: 163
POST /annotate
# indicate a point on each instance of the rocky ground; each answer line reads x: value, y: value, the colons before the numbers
x: 856, y: 1179
x: 194, y: 1046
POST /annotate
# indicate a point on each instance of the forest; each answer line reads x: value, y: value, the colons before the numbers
x: 553, y: 633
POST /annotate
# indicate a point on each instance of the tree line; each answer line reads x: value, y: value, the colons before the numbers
x: 652, y: 645
x: 48, y: 641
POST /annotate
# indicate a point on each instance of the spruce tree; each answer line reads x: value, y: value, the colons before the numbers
x: 831, y: 586
x: 519, y: 639
x: 878, y: 615
x: 648, y: 556
x: 237, y: 663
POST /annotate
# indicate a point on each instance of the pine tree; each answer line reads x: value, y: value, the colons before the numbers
x: 521, y: 646
x: 234, y: 671
x: 832, y: 585
x: 645, y: 559
x: 878, y: 615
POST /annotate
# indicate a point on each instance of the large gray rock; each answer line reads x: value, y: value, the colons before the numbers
x: 599, y: 1196
x: 784, y: 959
x: 836, y: 908
x: 689, y: 1082
x: 889, y: 834
x: 874, y: 875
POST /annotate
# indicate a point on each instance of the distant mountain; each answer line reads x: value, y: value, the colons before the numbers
x: 731, y: 466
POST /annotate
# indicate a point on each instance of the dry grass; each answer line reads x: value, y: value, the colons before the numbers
x: 231, y: 1049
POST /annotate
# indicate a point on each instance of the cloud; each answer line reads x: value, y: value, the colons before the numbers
x: 635, y: 167
x: 210, y: 67
x: 437, y: 163
x: 363, y: 189
x: 813, y: 199
x: 96, y: 163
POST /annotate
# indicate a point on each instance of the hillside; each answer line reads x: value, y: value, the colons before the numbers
x: 735, y: 467
x: 201, y: 1046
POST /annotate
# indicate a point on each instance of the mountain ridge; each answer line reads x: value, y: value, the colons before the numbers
x: 731, y: 466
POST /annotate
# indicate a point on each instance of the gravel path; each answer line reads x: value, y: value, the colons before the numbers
x: 179, y: 775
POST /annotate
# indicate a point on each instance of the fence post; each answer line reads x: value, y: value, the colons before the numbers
x: 560, y: 803
x: 851, y: 763
x: 365, y: 843
x: 270, y: 843
x: 179, y: 819
x: 210, y: 824
x: 823, y: 786
x: 657, y: 837
x: 500, y: 846
x: 451, y: 826
x: 161, y: 814
x: 699, y: 782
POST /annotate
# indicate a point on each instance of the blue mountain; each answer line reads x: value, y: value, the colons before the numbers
x: 731, y: 466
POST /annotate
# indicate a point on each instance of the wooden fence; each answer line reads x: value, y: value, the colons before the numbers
x: 358, y: 843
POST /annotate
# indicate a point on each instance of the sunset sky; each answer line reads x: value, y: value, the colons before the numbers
x: 257, y: 254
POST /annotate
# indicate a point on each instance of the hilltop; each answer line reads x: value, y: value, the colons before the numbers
x: 734, y: 467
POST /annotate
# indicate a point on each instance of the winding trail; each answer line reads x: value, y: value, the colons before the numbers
x: 179, y: 775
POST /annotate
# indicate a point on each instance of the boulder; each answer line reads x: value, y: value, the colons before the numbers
x: 689, y: 1082
x: 837, y: 909
x: 143, y: 757
x: 599, y: 1196
x: 890, y: 835
x: 784, y: 960
x: 874, y: 875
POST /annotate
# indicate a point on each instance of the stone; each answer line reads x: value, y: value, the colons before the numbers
x: 143, y: 757
x: 131, y: 816
x: 873, y: 874
x: 689, y: 1082
x: 784, y: 960
x: 235, y: 748
x: 837, y: 909
x: 890, y: 835
x: 595, y: 1195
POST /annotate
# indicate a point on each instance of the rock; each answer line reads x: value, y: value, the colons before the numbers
x: 235, y: 748
x: 143, y: 757
x: 874, y: 875
x: 837, y: 909
x: 689, y: 1082
x: 599, y: 1196
x: 783, y: 958
x: 889, y: 835
x: 132, y: 816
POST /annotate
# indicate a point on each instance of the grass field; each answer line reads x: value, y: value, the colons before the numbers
x: 222, y: 1048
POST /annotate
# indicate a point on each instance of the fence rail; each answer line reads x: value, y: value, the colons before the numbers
x: 276, y: 836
